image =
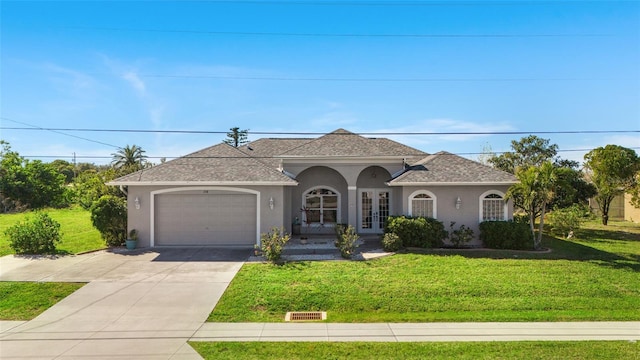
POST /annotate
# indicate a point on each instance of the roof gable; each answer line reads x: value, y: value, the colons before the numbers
x: 220, y: 163
x: 343, y: 143
x: 446, y: 168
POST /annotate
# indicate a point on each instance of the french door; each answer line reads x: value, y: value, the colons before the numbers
x: 374, y: 210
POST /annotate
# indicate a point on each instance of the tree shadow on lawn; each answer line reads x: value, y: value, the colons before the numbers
x: 558, y: 249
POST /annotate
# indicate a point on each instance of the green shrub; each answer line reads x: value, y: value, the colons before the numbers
x: 416, y: 232
x: 460, y: 236
x: 273, y: 242
x: 567, y: 220
x: 346, y: 240
x: 37, y: 236
x: 391, y: 242
x: 506, y: 235
x: 109, y: 216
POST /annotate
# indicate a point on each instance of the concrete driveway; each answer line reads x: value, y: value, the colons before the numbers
x: 137, y: 304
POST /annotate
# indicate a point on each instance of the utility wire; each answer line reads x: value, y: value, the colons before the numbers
x: 344, y: 35
x: 57, y: 131
x: 272, y: 157
x: 34, y: 128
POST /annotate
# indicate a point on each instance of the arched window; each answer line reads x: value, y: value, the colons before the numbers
x: 321, y: 206
x: 492, y: 206
x: 422, y: 203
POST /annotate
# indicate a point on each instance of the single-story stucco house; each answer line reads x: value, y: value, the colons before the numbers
x: 227, y: 196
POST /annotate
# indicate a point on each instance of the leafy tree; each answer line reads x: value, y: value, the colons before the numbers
x: 109, y: 216
x: 236, y: 137
x: 535, y: 190
x: 65, y: 168
x: 91, y: 185
x: 129, y: 159
x: 528, y: 151
x: 31, y: 183
x: 577, y: 190
x: 613, y: 169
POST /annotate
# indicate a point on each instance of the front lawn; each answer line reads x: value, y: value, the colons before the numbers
x: 26, y: 300
x: 78, y: 235
x: 595, y: 278
x: 461, y: 350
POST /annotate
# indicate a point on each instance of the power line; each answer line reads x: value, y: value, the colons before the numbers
x: 338, y: 35
x: 57, y: 131
x: 271, y: 157
x: 542, y: 132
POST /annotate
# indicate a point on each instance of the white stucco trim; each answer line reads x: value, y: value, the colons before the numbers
x: 505, y: 208
x: 427, y: 192
x: 504, y: 183
x: 339, y: 209
x: 203, y: 183
x: 153, y: 194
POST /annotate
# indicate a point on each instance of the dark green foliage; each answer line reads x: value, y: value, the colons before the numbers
x: 459, y: 236
x: 90, y: 185
x: 416, y: 231
x: 506, y: 235
x: 346, y: 240
x: 391, y: 242
x: 33, y: 184
x: 35, y: 236
x: 272, y: 243
x: 567, y: 220
x: 236, y: 137
x: 109, y: 216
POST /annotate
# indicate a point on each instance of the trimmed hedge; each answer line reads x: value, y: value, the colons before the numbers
x: 506, y: 235
x: 417, y: 231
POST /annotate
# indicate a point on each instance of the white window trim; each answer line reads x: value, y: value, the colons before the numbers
x: 481, y: 207
x: 304, y: 204
x: 426, y: 192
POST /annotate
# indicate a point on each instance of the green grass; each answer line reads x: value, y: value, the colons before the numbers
x: 462, y: 350
x: 592, y: 278
x: 26, y: 300
x: 78, y: 235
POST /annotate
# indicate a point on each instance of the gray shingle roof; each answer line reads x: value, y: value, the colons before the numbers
x: 221, y: 163
x: 342, y: 143
x: 444, y: 167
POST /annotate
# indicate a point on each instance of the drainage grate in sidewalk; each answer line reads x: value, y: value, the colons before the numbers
x: 305, y: 316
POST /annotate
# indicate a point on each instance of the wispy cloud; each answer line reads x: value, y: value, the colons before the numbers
x: 459, y: 131
x: 134, y: 80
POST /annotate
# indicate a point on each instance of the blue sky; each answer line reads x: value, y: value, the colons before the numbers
x: 315, y: 66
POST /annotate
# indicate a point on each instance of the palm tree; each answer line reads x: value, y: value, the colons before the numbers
x: 129, y: 159
x: 535, y: 190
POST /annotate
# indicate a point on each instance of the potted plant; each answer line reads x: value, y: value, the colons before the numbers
x: 132, y: 239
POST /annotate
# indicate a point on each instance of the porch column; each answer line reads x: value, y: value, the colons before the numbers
x: 353, y: 206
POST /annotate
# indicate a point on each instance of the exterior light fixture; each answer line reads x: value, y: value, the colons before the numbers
x: 458, y: 202
x: 271, y: 203
x: 137, y: 202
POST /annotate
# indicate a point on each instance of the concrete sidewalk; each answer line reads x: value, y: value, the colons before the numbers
x: 406, y: 332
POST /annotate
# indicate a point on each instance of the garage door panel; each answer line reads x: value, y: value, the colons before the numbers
x: 205, y: 219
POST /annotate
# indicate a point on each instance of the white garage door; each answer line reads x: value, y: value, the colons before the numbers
x: 205, y: 219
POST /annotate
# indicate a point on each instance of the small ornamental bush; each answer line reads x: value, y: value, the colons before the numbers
x: 109, y: 216
x: 346, y: 240
x: 568, y: 220
x: 460, y: 236
x: 417, y: 232
x: 272, y: 243
x: 36, y: 236
x: 506, y: 235
x: 391, y: 242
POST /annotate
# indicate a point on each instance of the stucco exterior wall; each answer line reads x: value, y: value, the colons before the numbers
x: 140, y: 219
x: 469, y: 211
x: 631, y: 213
